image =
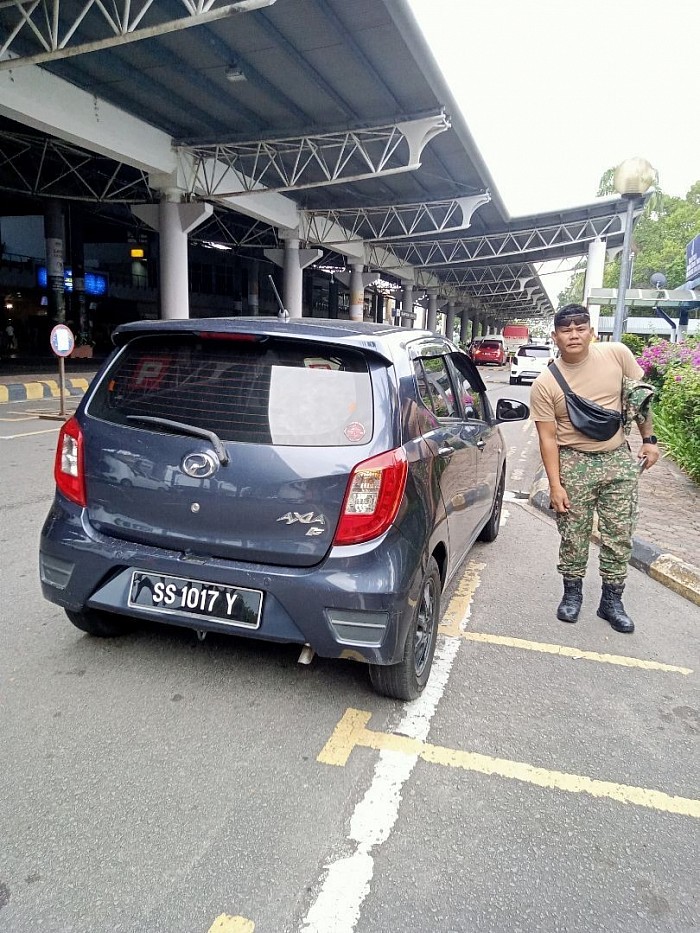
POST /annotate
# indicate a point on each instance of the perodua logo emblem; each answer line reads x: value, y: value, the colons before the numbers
x: 200, y: 465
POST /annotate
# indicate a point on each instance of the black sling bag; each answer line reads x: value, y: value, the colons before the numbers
x: 587, y: 417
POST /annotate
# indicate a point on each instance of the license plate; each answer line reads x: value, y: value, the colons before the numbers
x: 163, y: 594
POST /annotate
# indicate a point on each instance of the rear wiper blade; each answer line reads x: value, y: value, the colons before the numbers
x: 191, y: 429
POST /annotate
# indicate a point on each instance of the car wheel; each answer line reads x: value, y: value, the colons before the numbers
x: 406, y: 680
x: 490, y: 530
x: 100, y: 624
x: 513, y: 380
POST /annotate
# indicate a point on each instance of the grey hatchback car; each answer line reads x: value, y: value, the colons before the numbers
x: 314, y: 482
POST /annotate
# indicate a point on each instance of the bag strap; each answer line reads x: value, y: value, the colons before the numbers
x: 559, y: 376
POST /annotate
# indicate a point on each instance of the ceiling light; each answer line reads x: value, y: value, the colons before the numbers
x: 235, y: 74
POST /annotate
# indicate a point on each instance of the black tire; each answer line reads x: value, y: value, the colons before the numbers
x: 100, y: 624
x: 513, y: 380
x: 490, y: 530
x: 406, y: 680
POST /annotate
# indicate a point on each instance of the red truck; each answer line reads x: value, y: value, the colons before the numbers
x: 514, y: 336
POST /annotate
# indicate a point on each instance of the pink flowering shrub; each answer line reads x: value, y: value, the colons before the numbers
x: 660, y: 357
x: 674, y: 369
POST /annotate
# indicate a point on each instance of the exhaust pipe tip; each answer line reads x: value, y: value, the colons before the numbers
x: 307, y: 655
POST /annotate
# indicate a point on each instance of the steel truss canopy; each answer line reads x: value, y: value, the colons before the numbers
x: 531, y: 239
x: 395, y: 221
x: 216, y: 170
x: 58, y: 29
x: 326, y: 120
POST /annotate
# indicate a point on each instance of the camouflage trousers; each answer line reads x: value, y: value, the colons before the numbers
x: 606, y: 483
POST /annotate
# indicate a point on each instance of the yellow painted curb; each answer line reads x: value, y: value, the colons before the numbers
x: 678, y: 576
x: 4, y: 394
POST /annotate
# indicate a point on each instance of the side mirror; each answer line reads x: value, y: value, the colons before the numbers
x: 507, y: 409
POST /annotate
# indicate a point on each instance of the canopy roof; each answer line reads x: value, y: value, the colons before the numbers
x: 331, y: 107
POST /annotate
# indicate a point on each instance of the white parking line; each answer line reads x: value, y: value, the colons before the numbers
x: 347, y: 881
x: 11, y: 437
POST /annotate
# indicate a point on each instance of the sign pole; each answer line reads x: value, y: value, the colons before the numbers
x: 62, y: 343
x: 62, y: 386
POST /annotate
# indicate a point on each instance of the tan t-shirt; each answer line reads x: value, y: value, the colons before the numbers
x: 598, y: 378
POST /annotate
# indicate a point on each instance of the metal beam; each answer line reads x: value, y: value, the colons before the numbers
x: 294, y: 163
x: 394, y: 222
x: 519, y: 244
x: 55, y: 28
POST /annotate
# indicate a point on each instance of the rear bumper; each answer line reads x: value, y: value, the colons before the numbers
x: 356, y: 603
x: 525, y: 374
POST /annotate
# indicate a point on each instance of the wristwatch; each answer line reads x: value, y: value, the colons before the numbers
x: 650, y: 440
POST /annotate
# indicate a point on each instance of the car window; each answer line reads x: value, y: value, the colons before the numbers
x: 272, y: 391
x: 471, y: 398
x: 435, y: 387
x: 541, y: 352
x: 491, y: 345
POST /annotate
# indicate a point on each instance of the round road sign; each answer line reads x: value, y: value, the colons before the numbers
x: 62, y: 340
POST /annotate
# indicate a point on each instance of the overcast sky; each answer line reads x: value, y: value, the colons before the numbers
x: 555, y: 92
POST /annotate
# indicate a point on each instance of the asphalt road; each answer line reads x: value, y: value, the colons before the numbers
x: 546, y: 781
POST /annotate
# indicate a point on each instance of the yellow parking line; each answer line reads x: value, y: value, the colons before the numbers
x: 566, y: 652
x: 460, y: 601
x: 352, y: 731
x: 228, y: 924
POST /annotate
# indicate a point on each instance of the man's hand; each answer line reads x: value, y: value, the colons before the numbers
x: 651, y: 452
x: 558, y: 499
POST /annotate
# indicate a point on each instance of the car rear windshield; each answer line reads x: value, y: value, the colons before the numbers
x: 262, y: 391
x: 490, y: 345
x: 534, y: 351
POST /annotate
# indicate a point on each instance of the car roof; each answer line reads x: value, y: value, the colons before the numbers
x: 378, y: 338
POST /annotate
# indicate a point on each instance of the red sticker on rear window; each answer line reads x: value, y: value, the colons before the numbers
x: 355, y: 431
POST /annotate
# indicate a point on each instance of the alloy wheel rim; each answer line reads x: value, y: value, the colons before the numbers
x: 424, y: 627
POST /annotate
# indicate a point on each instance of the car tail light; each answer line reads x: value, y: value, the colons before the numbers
x: 69, y: 471
x: 374, y: 493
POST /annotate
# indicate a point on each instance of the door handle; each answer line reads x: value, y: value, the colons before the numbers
x: 481, y: 444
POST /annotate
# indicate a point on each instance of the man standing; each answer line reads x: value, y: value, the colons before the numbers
x: 586, y: 474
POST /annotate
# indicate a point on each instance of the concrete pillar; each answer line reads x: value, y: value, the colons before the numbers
x: 357, y: 292
x: 77, y: 264
x: 450, y: 321
x: 55, y: 269
x: 173, y: 220
x: 595, y: 267
x: 407, y: 304
x: 293, y: 261
x: 356, y: 282
x: 432, y: 309
x: 464, y: 327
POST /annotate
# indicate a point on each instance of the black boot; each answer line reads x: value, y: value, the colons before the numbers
x: 570, y: 605
x: 612, y: 610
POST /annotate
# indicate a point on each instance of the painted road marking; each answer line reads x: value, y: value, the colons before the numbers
x: 228, y: 924
x: 352, y: 731
x: 566, y: 652
x: 347, y: 880
x: 11, y: 437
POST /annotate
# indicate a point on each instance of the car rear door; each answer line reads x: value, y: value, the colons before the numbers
x: 488, y: 441
x: 454, y: 443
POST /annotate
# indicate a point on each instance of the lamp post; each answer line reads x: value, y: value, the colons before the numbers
x: 632, y: 180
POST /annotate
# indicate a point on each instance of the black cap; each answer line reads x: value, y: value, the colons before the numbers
x: 571, y: 314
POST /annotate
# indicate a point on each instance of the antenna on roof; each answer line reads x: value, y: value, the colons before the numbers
x: 282, y: 314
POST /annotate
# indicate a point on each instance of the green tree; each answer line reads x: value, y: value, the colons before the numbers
x: 660, y: 236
